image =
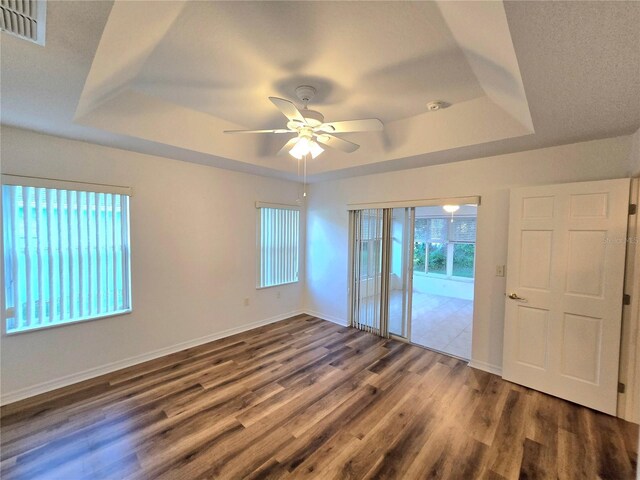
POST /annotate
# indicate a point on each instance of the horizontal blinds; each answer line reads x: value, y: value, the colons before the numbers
x: 279, y: 236
x: 462, y: 230
x: 66, y: 255
x: 431, y: 230
x: 51, y: 183
x: 442, y: 230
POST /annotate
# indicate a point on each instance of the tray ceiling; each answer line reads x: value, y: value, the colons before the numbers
x: 168, y: 77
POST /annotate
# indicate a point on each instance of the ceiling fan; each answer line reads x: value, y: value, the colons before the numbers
x: 312, y: 130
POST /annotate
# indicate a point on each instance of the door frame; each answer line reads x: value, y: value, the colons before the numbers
x: 629, y: 375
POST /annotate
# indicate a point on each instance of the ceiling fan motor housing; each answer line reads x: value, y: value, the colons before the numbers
x: 305, y: 93
x: 313, y: 118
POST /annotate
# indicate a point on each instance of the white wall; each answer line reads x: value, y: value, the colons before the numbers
x: 327, y: 221
x: 634, y: 157
x: 193, y: 261
x: 193, y: 246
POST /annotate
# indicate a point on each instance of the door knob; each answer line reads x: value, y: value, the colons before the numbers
x: 514, y: 296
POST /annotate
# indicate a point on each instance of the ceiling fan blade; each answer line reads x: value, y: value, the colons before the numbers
x: 364, y: 125
x: 337, y: 143
x: 288, y: 109
x: 288, y: 146
x: 279, y: 130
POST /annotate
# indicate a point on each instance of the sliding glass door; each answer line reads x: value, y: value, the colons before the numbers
x: 412, y: 272
x: 399, y: 273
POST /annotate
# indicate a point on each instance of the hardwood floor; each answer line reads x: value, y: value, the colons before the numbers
x: 305, y: 398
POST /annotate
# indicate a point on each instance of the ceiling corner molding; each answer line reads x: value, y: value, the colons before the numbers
x: 482, y: 31
x: 132, y: 32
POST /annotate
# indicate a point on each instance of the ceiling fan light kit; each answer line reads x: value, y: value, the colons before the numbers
x: 451, y: 209
x: 311, y: 129
x: 305, y: 146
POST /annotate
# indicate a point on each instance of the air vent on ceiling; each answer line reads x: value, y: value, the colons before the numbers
x: 24, y: 19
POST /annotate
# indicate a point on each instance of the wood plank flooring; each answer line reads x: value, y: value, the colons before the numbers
x: 305, y: 398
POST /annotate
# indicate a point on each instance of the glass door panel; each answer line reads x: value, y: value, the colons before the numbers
x: 400, y: 267
x: 442, y: 281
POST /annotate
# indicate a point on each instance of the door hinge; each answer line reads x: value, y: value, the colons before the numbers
x: 621, y: 387
x: 633, y: 209
x: 626, y: 299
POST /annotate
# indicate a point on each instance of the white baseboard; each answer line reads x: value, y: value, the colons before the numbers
x: 487, y: 367
x: 329, y: 318
x: 67, y: 380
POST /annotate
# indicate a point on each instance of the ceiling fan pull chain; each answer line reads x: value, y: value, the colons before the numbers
x: 299, y: 177
x: 304, y: 193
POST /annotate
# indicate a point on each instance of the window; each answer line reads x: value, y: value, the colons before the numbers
x: 278, y: 249
x: 437, y: 258
x: 66, y: 253
x: 445, y: 247
x: 463, y: 259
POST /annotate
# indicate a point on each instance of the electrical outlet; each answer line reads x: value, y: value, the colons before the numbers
x: 246, y: 302
x: 500, y: 269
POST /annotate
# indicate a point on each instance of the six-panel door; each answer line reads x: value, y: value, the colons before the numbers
x: 566, y: 271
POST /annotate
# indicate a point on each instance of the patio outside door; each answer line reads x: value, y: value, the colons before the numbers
x: 411, y: 272
x: 431, y: 277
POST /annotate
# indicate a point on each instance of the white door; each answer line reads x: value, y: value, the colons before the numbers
x: 565, y: 273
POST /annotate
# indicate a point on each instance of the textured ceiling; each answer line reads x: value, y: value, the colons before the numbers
x: 581, y: 63
x: 167, y: 77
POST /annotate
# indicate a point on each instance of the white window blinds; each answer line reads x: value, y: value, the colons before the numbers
x: 66, y: 256
x: 443, y: 230
x: 278, y: 249
x: 462, y: 230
